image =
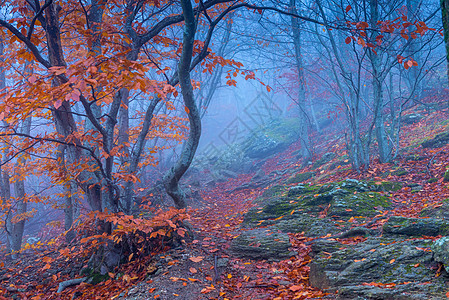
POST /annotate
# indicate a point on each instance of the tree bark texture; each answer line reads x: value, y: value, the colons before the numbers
x: 303, y: 117
x: 171, y: 179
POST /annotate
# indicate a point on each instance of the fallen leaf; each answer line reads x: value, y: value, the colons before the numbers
x: 193, y: 270
x: 196, y: 258
x: 295, y: 288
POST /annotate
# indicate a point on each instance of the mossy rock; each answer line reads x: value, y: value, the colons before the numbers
x: 262, y: 244
x: 300, y: 177
x: 402, y: 226
x: 271, y: 138
x: 298, y: 209
x: 310, y: 225
x: 439, y: 140
x: 275, y: 190
x: 378, y: 259
x: 327, y: 157
x: 343, y: 161
x: 387, y: 186
x: 439, y: 212
x: 361, y: 204
x: 94, y: 277
x: 411, y: 118
x: 433, y: 180
x: 446, y: 176
x: 400, y: 172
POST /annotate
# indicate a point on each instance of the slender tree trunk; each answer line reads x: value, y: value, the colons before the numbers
x: 445, y: 18
x: 171, y: 180
x: 303, y: 118
x: 357, y: 146
x: 384, y: 146
x: 21, y: 203
x: 63, y: 117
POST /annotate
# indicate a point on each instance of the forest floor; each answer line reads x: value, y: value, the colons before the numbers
x: 205, y: 268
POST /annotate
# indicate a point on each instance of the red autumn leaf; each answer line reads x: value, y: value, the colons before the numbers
x: 348, y: 8
x: 348, y: 40
x: 295, y: 288
x: 197, y: 258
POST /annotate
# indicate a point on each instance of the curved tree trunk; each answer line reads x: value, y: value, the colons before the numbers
x: 171, y: 179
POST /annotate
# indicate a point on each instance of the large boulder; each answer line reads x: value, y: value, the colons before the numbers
x: 440, y: 250
x: 379, y: 268
x: 439, y: 140
x: 303, y: 207
x: 398, y: 225
x: 262, y: 244
x: 272, y: 138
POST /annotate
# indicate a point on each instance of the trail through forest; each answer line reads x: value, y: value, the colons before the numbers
x: 204, y: 264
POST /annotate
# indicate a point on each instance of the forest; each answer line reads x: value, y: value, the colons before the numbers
x: 224, y: 149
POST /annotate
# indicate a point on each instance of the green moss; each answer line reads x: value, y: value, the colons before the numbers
x: 300, y: 177
x: 446, y: 175
x: 360, y: 204
x: 387, y: 186
x: 400, y: 172
x: 278, y: 208
x: 327, y: 157
x: 275, y: 190
x: 97, y: 278
x: 432, y: 180
x: 94, y: 277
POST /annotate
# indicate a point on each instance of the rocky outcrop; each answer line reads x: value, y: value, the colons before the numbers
x: 262, y: 244
x: 316, y: 210
x: 397, y: 261
x: 414, y: 227
x: 379, y: 268
x: 272, y: 138
x: 439, y: 140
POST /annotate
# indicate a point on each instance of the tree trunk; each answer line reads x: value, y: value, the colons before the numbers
x: 384, y: 146
x: 171, y: 179
x: 445, y: 18
x: 303, y: 117
x: 21, y: 203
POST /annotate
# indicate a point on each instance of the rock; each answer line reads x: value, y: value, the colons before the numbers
x: 439, y: 140
x: 400, y: 172
x: 298, y: 210
x: 222, y: 262
x: 341, y: 162
x: 272, y: 138
x: 310, y: 225
x: 446, y: 176
x: 297, y: 190
x: 439, y: 212
x: 327, y: 157
x: 262, y: 244
x: 229, y: 173
x: 386, y: 186
x: 415, y: 227
x: 300, y: 177
x: 440, y: 250
x: 432, y: 180
x: 380, y: 260
x: 416, y: 188
x: 273, y: 191
x: 409, y: 291
x: 411, y: 118
x: 259, y: 175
